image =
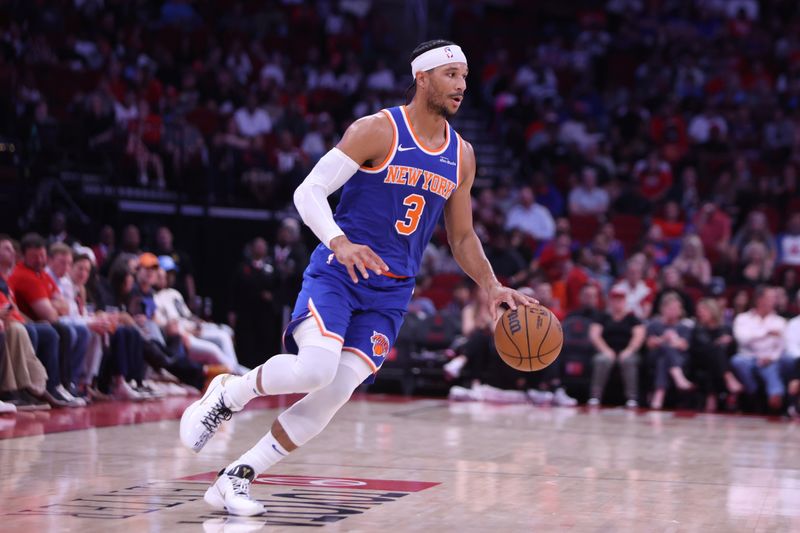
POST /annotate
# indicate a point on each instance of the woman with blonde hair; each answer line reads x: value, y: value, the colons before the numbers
x: 757, y: 264
x: 709, y: 346
x: 691, y: 262
x: 668, y: 344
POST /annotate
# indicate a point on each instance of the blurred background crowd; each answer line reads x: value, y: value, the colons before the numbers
x: 637, y: 169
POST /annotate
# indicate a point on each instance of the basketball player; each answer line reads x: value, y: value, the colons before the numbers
x: 400, y: 168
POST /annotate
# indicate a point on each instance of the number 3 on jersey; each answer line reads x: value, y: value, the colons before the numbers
x: 415, y: 204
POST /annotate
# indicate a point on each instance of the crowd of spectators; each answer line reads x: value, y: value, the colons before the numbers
x: 81, y: 324
x: 655, y: 147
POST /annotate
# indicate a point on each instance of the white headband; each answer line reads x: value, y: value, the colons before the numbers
x: 436, y: 58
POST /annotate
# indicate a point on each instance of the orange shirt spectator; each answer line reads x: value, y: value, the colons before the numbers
x: 30, y: 286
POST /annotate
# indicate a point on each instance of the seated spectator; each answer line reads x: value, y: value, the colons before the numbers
x: 125, y: 357
x: 710, y: 345
x: 791, y: 338
x: 755, y: 229
x: 653, y: 176
x: 23, y: 380
x: 668, y: 343
x: 713, y: 226
x: 759, y: 334
x: 670, y: 221
x: 617, y: 336
x: 38, y: 297
x: 671, y: 282
x: 692, y: 264
x: 530, y: 217
x: 757, y: 264
x: 789, y: 243
x: 251, y: 120
x: 213, y: 341
x: 587, y: 198
x: 5, y: 407
x: 638, y: 294
x: 105, y: 245
x: 657, y: 249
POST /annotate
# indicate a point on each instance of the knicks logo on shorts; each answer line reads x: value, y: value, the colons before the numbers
x: 380, y: 344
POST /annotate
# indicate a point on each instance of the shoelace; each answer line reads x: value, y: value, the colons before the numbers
x: 216, y: 415
x: 241, y: 486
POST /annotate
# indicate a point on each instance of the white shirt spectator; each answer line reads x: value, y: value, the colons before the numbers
x: 585, y: 201
x: 750, y: 331
x: 273, y: 71
x: 252, y: 123
x: 170, y: 305
x: 789, y: 249
x: 381, y: 80
x: 534, y: 220
x: 700, y: 127
x: 637, y: 297
x: 791, y: 337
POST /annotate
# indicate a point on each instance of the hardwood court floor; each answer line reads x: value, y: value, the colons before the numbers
x: 387, y: 464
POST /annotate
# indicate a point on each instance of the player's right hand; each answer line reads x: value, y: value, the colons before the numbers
x: 357, y: 256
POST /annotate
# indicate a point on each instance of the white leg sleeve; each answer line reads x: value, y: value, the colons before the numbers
x: 306, y: 418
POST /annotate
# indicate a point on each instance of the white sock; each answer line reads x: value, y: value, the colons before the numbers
x: 263, y: 455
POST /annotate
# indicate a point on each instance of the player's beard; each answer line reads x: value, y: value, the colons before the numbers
x: 437, y: 106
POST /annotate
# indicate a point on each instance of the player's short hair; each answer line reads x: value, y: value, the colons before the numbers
x: 32, y: 240
x: 418, y: 51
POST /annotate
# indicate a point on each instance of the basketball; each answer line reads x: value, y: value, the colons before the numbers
x: 528, y: 338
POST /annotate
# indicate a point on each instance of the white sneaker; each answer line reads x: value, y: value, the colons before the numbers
x: 6, y: 407
x: 631, y: 404
x: 73, y: 401
x: 454, y: 366
x: 231, y: 492
x: 460, y: 394
x: 562, y: 399
x: 202, y: 419
x: 540, y: 397
x: 593, y: 402
x: 123, y: 391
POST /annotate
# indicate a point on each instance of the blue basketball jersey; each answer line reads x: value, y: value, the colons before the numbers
x: 394, y: 207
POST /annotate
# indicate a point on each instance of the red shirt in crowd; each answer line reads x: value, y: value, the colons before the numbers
x: 30, y: 286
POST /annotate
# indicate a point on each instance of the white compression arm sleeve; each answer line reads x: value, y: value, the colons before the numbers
x: 311, y: 197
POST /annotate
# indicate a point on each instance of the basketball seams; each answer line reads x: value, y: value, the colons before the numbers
x: 511, y: 339
x: 544, y: 337
x: 503, y: 336
x: 528, y: 338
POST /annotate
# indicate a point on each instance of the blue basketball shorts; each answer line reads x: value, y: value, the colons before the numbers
x: 365, y: 317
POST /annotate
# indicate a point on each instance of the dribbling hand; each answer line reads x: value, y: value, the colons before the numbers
x: 499, y: 295
x: 357, y: 256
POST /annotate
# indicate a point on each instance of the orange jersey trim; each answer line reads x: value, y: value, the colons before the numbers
x: 321, y: 324
x: 391, y: 150
x: 417, y: 139
x: 363, y: 356
x: 394, y: 276
x: 459, y: 163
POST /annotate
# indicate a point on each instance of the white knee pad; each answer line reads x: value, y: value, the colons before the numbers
x: 308, y: 333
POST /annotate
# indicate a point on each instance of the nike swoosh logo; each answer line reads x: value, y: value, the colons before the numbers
x: 277, y: 450
x: 407, y: 148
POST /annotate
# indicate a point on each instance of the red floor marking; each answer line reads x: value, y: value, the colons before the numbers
x: 107, y: 414
x: 328, y: 482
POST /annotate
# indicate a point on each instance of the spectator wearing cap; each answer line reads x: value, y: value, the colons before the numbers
x: 207, y: 343
x: 617, y: 336
x: 759, y: 334
x: 39, y: 298
x: 183, y: 271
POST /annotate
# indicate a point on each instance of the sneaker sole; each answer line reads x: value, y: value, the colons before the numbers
x: 216, y: 500
x: 187, y: 415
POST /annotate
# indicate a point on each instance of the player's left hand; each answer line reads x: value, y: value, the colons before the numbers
x: 499, y: 295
